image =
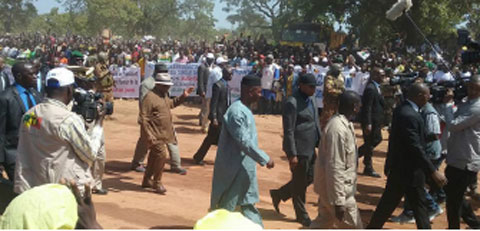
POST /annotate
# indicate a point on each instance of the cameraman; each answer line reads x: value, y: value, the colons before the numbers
x: 463, y: 157
x: 54, y: 142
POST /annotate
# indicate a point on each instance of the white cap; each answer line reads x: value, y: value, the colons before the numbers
x: 316, y: 59
x: 59, y: 77
x: 221, y: 60
x: 324, y: 60
x: 270, y: 56
x: 210, y: 56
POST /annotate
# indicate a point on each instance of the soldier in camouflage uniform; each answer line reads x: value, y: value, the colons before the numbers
x: 334, y: 85
x: 389, y: 93
x: 105, y: 81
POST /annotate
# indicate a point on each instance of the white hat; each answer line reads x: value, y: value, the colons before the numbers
x: 210, y: 56
x: 270, y: 56
x: 221, y: 60
x: 59, y: 77
x: 163, y: 79
x: 316, y: 59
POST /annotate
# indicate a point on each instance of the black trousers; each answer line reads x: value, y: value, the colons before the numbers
x: 211, y: 138
x: 457, y: 206
x: 395, y: 189
x: 370, y: 141
x: 302, y: 177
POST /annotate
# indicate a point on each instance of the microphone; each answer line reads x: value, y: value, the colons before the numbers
x: 398, y: 8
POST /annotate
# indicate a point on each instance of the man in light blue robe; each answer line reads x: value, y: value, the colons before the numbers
x: 235, y: 172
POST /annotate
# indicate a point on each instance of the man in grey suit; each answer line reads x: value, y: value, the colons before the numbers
x: 301, y: 130
x: 202, y: 79
x: 4, y: 80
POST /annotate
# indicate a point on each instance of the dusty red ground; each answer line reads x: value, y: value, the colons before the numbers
x: 128, y: 206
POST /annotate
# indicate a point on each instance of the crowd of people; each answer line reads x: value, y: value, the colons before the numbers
x: 319, y: 92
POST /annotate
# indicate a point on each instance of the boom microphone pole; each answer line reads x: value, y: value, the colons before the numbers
x: 402, y: 7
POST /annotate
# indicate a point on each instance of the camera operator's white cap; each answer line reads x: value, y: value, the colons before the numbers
x: 210, y: 56
x: 221, y: 60
x: 59, y: 77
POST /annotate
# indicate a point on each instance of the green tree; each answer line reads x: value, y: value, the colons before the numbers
x: 15, y: 15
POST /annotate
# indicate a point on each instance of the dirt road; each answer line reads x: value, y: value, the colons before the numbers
x: 128, y: 206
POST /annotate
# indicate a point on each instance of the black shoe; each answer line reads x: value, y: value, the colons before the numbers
x: 371, y: 172
x: 305, y: 222
x: 201, y: 163
x: 101, y: 191
x: 275, y: 200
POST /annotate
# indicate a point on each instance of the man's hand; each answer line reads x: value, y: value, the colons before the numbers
x: 368, y: 129
x: 439, y: 178
x: 188, y: 91
x: 87, y: 217
x: 270, y: 164
x: 340, y: 212
x: 293, y: 161
x: 215, y: 122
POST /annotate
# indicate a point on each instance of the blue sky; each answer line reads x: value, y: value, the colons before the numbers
x: 44, y: 6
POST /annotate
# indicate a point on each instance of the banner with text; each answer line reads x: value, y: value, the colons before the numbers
x: 235, y: 83
x: 127, y: 82
x: 183, y: 76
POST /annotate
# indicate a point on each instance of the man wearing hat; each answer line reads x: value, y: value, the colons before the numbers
x: 54, y: 143
x: 156, y: 120
x: 141, y: 149
x: 301, y: 134
x: 235, y: 172
x: 202, y: 80
x: 105, y: 81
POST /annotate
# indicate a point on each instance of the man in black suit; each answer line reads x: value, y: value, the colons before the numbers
x: 301, y: 131
x: 407, y: 165
x: 371, y: 118
x: 14, y: 102
x: 202, y: 79
x: 219, y: 103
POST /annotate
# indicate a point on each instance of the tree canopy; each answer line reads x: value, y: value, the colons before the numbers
x: 438, y: 19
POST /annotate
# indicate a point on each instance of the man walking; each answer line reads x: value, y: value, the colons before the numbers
x: 156, y: 119
x: 372, y: 120
x: 407, y: 165
x: 141, y: 149
x: 202, y: 80
x: 335, y: 171
x: 301, y: 131
x: 221, y: 99
x: 235, y: 171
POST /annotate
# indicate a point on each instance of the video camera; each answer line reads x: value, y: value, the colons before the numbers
x: 87, y: 104
x: 85, y: 101
x: 404, y: 80
x: 437, y: 90
x: 472, y: 55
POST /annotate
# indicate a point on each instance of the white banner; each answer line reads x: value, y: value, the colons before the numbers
x: 127, y: 81
x: 235, y: 84
x: 320, y: 73
x: 183, y: 76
